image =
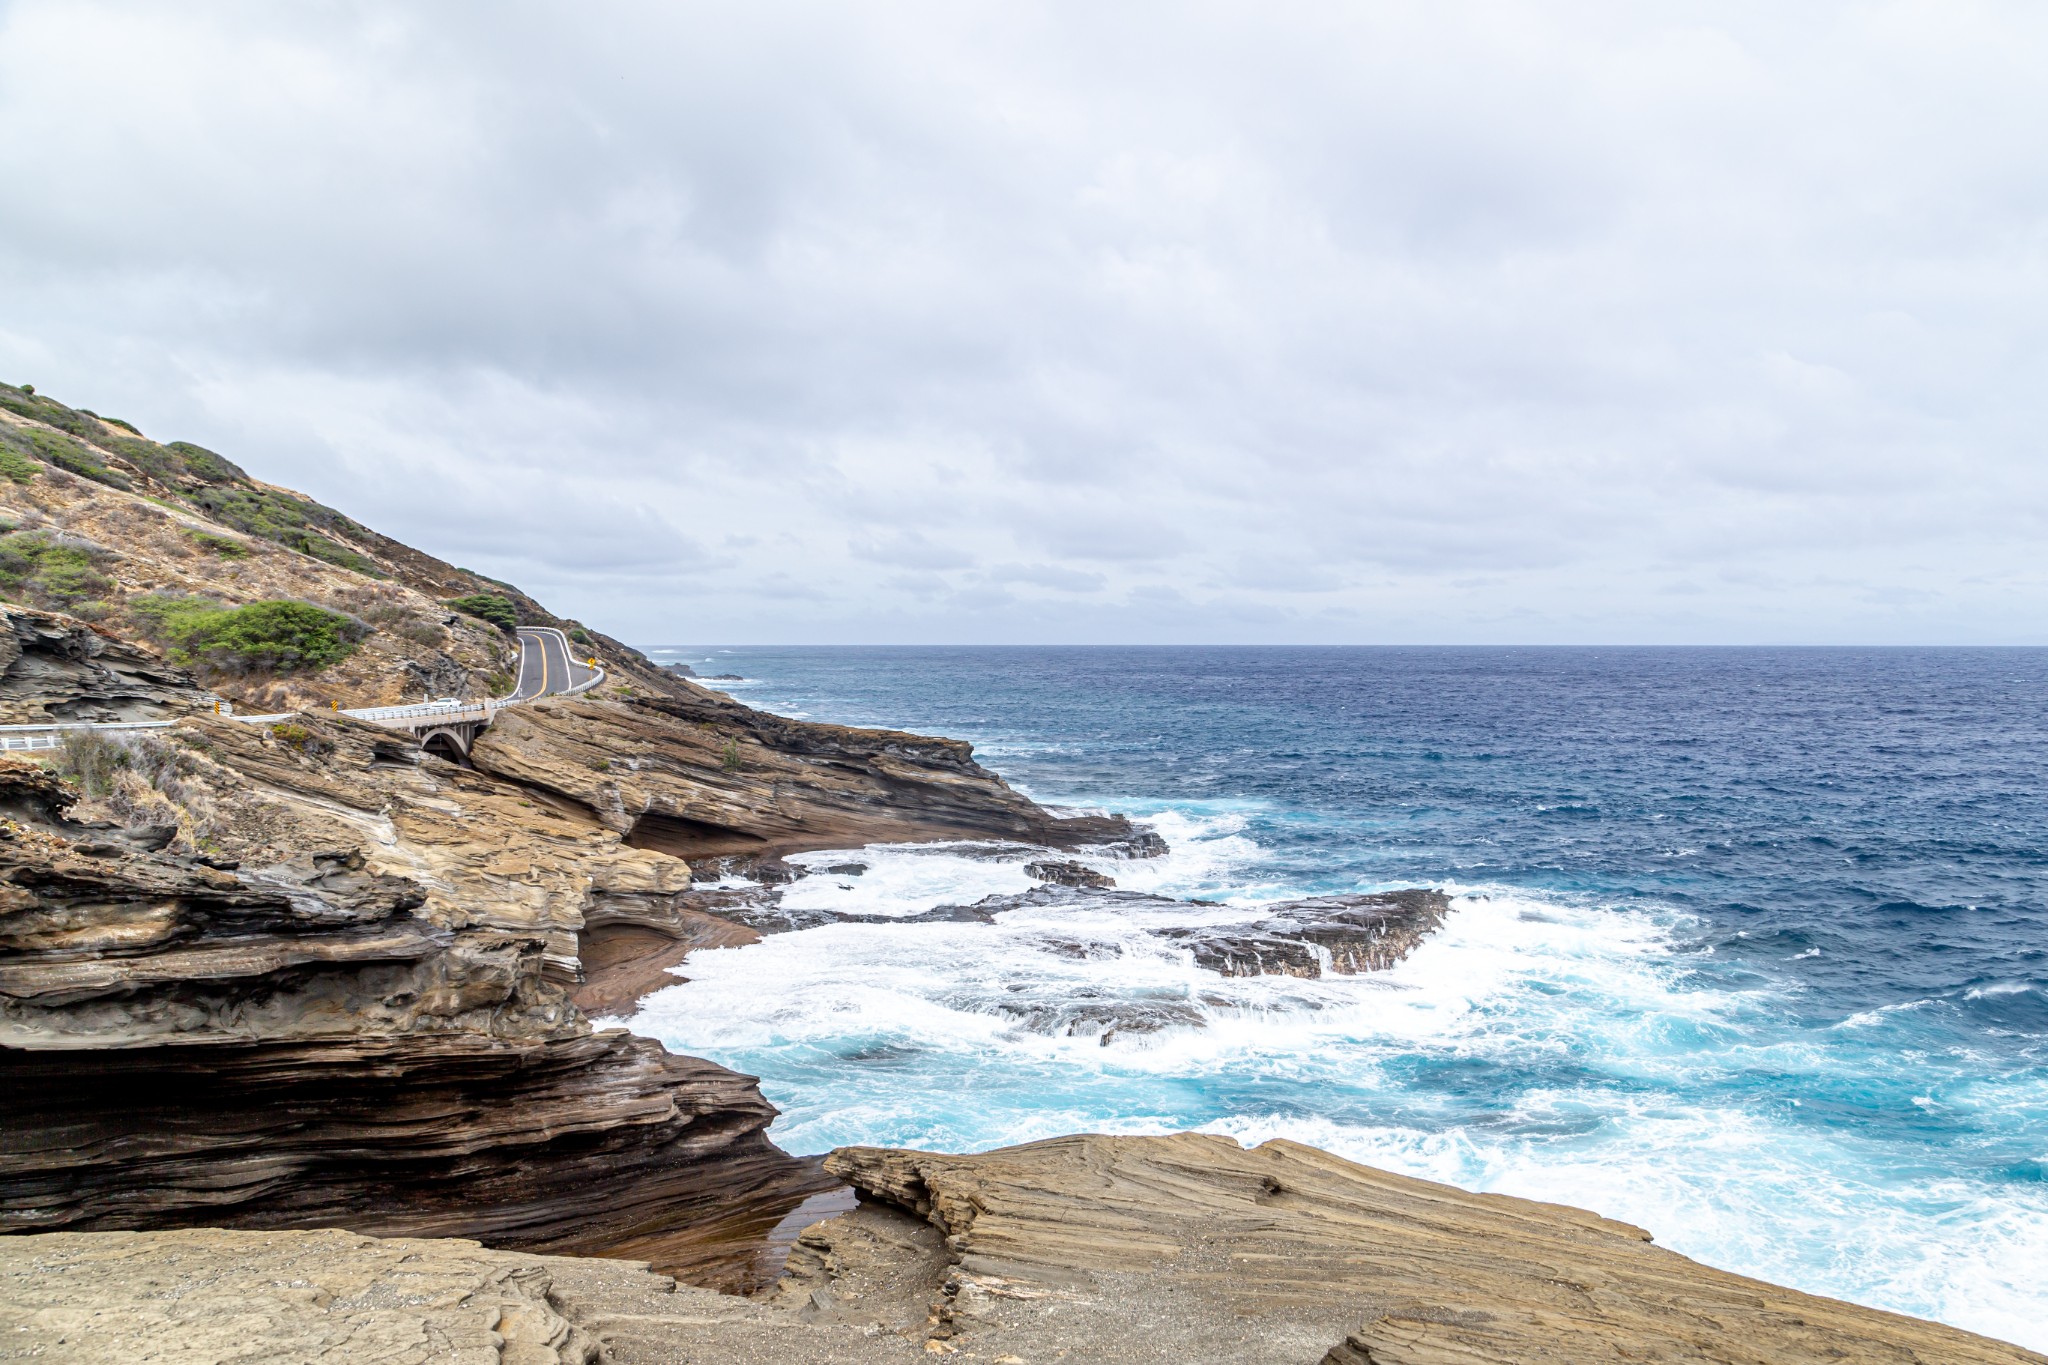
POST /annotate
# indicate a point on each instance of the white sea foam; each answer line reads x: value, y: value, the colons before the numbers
x: 1058, y: 1019
x: 1998, y: 988
x: 1751, y: 1194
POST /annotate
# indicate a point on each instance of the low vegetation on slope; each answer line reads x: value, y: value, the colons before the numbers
x: 277, y: 600
x: 269, y: 637
x: 488, y: 606
x: 57, y: 571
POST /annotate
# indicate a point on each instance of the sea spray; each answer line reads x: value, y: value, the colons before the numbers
x: 1745, y: 945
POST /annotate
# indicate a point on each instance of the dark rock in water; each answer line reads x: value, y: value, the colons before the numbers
x: 992, y: 852
x: 764, y: 914
x: 1139, y: 843
x: 769, y: 871
x: 680, y: 670
x: 724, y: 677
x: 1052, y: 895
x: 1086, y: 1014
x: 1069, y: 874
x: 1367, y: 933
x: 846, y: 869
x: 1112, y: 836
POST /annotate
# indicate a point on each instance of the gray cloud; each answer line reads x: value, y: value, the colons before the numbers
x: 935, y: 322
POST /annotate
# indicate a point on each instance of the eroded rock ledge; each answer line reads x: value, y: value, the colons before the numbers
x: 284, y: 977
x: 1184, y: 1249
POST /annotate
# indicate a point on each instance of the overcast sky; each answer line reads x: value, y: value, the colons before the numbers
x: 1337, y: 322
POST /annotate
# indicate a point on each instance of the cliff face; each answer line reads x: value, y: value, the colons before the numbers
x: 287, y: 975
x: 330, y: 982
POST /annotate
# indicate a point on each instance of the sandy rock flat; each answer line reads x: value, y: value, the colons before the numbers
x: 1184, y: 1250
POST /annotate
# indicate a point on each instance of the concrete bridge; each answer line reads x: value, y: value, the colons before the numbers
x: 548, y: 667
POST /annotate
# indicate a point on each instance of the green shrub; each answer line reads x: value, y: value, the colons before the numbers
x: 731, y: 757
x: 488, y: 606
x: 275, y: 637
x: 51, y: 571
x: 300, y: 738
x: 580, y: 635
x: 66, y: 453
x: 151, y: 458
x: 321, y: 548
x: 204, y: 465
x: 223, y: 546
x: 168, y: 618
x: 117, y: 422
x: 272, y: 637
x: 290, y: 521
x: 15, y: 465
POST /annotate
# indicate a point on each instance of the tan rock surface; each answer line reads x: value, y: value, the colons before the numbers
x: 209, y: 1297
x: 1189, y: 1248
x: 1184, y: 1250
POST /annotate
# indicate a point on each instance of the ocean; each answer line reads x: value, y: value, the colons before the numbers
x: 1749, y: 946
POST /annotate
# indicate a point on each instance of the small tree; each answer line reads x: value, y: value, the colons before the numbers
x: 489, y: 606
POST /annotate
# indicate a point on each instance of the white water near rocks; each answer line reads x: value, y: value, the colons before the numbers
x: 953, y: 1037
x: 1746, y: 945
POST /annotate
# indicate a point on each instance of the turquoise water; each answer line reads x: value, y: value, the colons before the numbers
x: 1750, y: 946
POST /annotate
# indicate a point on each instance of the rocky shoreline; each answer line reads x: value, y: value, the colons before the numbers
x: 296, y: 1023
x: 1178, y: 1249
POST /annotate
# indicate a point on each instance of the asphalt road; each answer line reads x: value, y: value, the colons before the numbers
x: 548, y: 664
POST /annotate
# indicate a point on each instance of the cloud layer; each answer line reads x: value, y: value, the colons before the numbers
x: 945, y: 322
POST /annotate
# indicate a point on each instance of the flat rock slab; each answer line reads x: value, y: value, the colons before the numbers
x: 210, y: 1297
x: 1192, y: 1249
x: 1184, y: 1250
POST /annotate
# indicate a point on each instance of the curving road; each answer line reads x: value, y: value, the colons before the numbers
x: 548, y: 664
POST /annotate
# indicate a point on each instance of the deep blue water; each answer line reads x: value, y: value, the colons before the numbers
x: 1751, y: 945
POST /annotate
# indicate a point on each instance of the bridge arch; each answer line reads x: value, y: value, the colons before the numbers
x: 450, y: 741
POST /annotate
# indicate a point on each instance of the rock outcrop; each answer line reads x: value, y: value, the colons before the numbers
x: 1062, y: 873
x: 1344, y: 935
x: 1182, y: 1250
x: 273, y: 976
x: 54, y: 669
x: 1190, y: 1248
x: 334, y: 980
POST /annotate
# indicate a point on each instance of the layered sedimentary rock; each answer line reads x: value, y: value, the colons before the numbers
x: 304, y: 974
x: 697, y: 776
x: 1182, y: 1250
x: 57, y: 669
x: 1190, y: 1248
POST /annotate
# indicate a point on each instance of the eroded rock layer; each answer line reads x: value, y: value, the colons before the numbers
x: 1179, y: 1250
x: 1189, y: 1248
x: 274, y: 976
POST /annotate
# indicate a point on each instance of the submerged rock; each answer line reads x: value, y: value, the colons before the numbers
x: 1087, y: 1015
x: 1069, y: 874
x: 1341, y: 934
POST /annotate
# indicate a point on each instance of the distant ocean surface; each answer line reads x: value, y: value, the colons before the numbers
x: 1750, y: 946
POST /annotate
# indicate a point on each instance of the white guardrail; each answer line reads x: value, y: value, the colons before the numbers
x: 50, y: 735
